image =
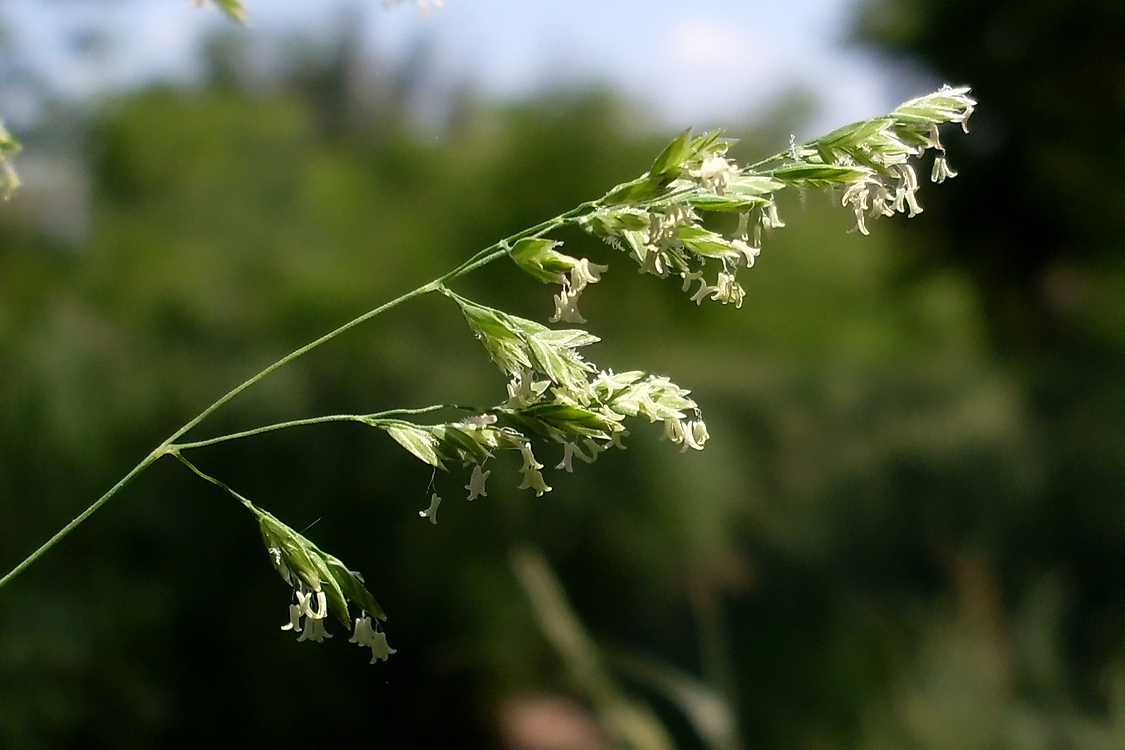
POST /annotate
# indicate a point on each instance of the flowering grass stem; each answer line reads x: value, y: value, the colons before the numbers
x: 207, y: 477
x: 171, y: 447
x: 556, y: 398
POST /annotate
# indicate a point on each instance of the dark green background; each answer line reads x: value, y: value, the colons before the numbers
x: 910, y: 522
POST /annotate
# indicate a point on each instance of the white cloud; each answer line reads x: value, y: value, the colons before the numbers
x: 709, y: 43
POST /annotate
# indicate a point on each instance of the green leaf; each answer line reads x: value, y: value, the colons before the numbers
x: 571, y: 419
x: 754, y: 184
x: 632, y: 222
x: 849, y: 136
x: 705, y: 143
x: 672, y: 156
x: 296, y: 551
x: 729, y: 202
x: 817, y: 175
x: 918, y: 116
x: 500, y: 334
x: 529, y: 247
x: 415, y: 439
x: 637, y: 191
x: 455, y: 441
x: 742, y: 193
x: 537, y: 257
x: 702, y: 241
x: 606, y: 224
x: 522, y: 326
x: 554, y: 421
x: 536, y: 426
x: 558, y: 363
x: 571, y: 338
x: 353, y: 589
x: 913, y: 135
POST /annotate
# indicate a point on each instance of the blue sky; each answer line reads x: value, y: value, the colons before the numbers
x: 701, y: 62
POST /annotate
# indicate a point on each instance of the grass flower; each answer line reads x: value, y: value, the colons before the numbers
x: 715, y: 173
x: 314, y: 631
x: 941, y: 170
x: 431, y: 512
x: 476, y: 483
x: 532, y: 477
x: 367, y: 636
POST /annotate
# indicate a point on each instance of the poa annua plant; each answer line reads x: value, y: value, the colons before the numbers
x: 557, y: 402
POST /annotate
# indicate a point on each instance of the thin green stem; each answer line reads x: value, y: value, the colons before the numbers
x: 422, y: 410
x: 212, y: 480
x: 268, y: 428
x: 424, y: 289
x: 482, y: 258
x: 364, y: 418
x: 502, y: 248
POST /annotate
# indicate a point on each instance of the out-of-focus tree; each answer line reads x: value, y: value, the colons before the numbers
x: 1038, y: 224
x: 1039, y: 217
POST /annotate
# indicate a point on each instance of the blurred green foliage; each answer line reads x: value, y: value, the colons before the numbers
x: 906, y: 531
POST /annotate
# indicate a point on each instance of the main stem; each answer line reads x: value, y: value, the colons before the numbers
x: 482, y: 258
